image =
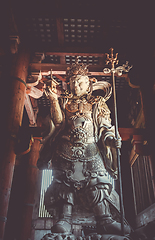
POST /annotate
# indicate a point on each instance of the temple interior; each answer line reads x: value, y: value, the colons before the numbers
x: 39, y: 40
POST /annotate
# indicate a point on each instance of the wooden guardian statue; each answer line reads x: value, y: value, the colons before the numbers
x: 81, y: 150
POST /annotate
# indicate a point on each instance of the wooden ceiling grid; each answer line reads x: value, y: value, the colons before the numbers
x: 69, y: 59
x: 51, y: 59
x: 42, y: 30
x: 80, y: 30
x: 64, y: 32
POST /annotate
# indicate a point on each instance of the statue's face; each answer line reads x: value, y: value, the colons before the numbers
x: 79, y: 85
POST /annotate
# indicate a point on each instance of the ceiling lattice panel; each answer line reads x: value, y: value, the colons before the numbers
x: 42, y: 30
x: 90, y: 60
x: 84, y: 31
x: 46, y: 31
x: 51, y: 59
x: 69, y: 59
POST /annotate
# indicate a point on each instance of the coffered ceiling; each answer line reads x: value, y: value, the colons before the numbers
x: 75, y: 26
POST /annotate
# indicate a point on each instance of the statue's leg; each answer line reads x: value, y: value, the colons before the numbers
x: 64, y: 223
x: 105, y: 223
x: 60, y: 198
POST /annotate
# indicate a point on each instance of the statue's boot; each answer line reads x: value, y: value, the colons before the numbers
x: 106, y: 225
x: 104, y: 222
x: 64, y: 223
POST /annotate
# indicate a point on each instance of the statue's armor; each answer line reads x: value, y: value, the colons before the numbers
x: 77, y: 164
x: 78, y: 161
x: 76, y: 152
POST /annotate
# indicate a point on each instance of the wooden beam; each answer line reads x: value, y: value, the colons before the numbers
x: 73, y: 53
x: 78, y: 51
x: 60, y: 31
x: 91, y: 73
x: 72, y: 49
x: 60, y: 67
x: 128, y: 133
x: 62, y: 59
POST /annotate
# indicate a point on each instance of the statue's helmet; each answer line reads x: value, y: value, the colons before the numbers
x: 102, y: 88
x: 77, y: 69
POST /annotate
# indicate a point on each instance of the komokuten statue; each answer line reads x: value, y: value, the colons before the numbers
x: 81, y: 151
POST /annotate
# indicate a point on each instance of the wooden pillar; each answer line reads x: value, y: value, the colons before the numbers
x: 14, y: 91
x: 31, y: 178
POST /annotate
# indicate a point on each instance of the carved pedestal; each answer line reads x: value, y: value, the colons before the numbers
x: 93, y: 236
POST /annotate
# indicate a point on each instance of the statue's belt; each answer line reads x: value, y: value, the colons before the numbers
x: 78, y: 151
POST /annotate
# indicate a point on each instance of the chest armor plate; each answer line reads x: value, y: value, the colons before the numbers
x: 79, y: 121
x: 78, y: 142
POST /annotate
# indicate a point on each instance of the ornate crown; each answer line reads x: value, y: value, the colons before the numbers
x: 77, y: 69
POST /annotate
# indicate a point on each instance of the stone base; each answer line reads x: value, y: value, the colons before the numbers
x: 92, y: 236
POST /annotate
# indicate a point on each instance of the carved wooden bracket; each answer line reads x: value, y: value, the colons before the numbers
x: 38, y: 57
x: 14, y: 42
x: 140, y: 145
x: 137, y: 138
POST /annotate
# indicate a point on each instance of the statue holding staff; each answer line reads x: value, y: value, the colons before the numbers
x: 81, y: 151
